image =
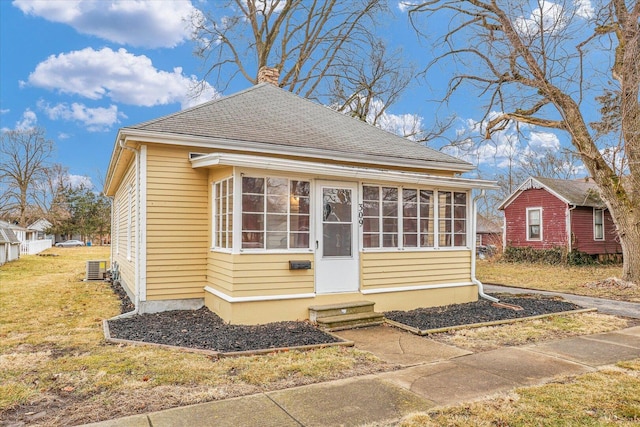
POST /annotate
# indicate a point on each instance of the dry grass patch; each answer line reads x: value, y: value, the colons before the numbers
x: 56, y: 369
x: 605, y: 398
x: 531, y: 331
x: 573, y: 280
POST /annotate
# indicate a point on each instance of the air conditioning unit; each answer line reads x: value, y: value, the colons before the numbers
x: 96, y: 270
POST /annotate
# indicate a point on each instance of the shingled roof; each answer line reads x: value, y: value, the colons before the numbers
x: 266, y: 114
x: 574, y: 192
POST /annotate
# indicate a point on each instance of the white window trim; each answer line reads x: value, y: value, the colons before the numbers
x: 598, y: 239
x: 237, y: 220
x: 214, y: 210
x: 529, y: 239
x: 436, y: 217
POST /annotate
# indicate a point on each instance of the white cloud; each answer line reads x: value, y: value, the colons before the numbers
x: 409, y: 125
x: 548, y: 18
x: 94, y: 119
x: 270, y: 4
x: 117, y: 75
x: 78, y: 181
x: 405, y: 125
x: 28, y: 121
x: 4, y: 111
x: 544, y: 141
x: 505, y: 147
x: 142, y: 23
x: 404, y: 6
x: 584, y: 9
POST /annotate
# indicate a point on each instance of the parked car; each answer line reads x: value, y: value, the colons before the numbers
x: 69, y: 243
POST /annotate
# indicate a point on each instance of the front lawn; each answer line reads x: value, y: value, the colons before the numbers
x: 583, y: 280
x: 56, y: 369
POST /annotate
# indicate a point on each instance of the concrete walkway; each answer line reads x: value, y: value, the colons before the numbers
x: 606, y: 306
x: 432, y: 374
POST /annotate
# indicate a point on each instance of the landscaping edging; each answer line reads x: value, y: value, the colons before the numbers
x: 423, y: 332
x: 218, y: 354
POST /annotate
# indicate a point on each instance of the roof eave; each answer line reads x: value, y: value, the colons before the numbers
x: 264, y: 148
x: 362, y: 173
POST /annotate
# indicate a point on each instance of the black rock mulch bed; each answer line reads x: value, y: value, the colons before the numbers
x: 125, y: 302
x: 478, y: 312
x: 203, y: 329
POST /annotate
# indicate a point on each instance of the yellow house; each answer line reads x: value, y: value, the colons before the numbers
x: 262, y: 204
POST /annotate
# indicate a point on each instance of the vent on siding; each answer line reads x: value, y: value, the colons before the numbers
x: 96, y: 270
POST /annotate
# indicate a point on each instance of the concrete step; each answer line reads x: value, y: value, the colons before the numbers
x: 319, y: 311
x: 350, y: 321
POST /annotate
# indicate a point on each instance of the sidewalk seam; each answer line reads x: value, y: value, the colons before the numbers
x: 284, y: 410
x: 587, y: 337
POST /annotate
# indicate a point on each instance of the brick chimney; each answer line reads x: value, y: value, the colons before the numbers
x: 268, y: 75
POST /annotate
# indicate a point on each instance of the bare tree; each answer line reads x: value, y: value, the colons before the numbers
x: 300, y: 38
x: 51, y: 194
x: 323, y: 49
x: 24, y: 156
x: 367, y: 82
x: 531, y: 65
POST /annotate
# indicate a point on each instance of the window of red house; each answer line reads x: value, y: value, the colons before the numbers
x: 534, y: 224
x: 598, y: 224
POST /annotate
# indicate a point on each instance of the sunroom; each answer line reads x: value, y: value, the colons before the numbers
x: 287, y: 234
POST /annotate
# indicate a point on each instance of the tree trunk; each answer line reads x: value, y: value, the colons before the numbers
x: 629, y: 231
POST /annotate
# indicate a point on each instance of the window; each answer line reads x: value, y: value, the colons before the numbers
x: 393, y: 217
x: 418, y: 221
x: 223, y: 214
x: 452, y: 223
x: 534, y: 223
x: 598, y: 224
x: 275, y: 213
x: 380, y: 217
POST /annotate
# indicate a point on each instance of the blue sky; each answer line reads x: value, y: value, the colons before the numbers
x: 81, y: 69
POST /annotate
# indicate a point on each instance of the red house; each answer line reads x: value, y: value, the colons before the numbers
x: 544, y: 213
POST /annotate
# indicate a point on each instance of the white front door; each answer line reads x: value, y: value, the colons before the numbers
x: 337, y: 237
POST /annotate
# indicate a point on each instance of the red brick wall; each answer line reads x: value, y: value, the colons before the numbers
x: 553, y: 220
x: 582, y: 233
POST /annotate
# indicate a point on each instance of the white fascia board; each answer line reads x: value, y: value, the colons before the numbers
x: 325, y: 169
x: 258, y: 147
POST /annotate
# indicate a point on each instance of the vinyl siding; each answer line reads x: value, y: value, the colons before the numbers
x: 259, y: 274
x: 177, y: 225
x: 119, y: 228
x: 408, y: 268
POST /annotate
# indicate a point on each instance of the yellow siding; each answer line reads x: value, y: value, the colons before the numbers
x: 120, y: 226
x: 259, y: 274
x: 256, y: 312
x: 400, y: 269
x: 177, y: 225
